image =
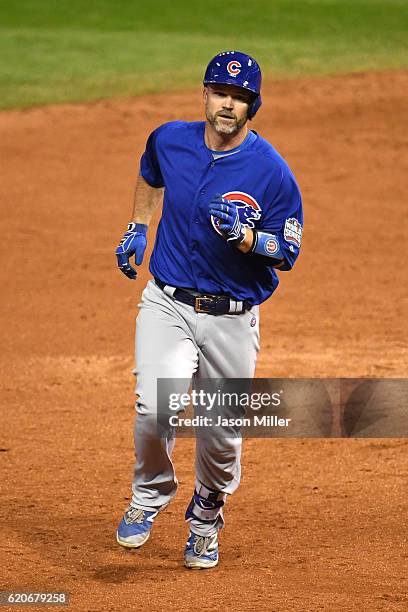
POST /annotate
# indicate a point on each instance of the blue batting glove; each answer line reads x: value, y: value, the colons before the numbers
x: 227, y: 214
x: 133, y: 242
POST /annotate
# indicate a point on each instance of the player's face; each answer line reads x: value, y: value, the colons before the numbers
x: 226, y: 107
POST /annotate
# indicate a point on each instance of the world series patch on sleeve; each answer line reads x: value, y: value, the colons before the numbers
x: 292, y: 232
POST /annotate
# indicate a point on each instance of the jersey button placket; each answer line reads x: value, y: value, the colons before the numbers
x: 194, y: 239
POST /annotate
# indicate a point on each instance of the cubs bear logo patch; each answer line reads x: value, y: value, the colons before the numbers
x: 248, y: 209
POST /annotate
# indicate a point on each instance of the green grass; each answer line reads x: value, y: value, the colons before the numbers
x: 72, y: 50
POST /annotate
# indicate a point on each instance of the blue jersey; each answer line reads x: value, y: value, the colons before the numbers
x: 190, y: 250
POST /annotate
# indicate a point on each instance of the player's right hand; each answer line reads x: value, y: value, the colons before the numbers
x: 133, y: 242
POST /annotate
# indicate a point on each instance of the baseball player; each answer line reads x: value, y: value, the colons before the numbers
x: 231, y: 217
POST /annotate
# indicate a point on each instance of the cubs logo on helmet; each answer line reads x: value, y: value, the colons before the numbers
x: 248, y: 209
x: 234, y: 67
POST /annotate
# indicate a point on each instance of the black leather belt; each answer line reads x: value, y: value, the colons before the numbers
x: 206, y: 303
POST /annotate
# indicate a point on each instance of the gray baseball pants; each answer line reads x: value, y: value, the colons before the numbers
x: 174, y: 341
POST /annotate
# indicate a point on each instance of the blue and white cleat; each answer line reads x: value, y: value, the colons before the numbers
x: 201, y: 552
x: 134, y: 528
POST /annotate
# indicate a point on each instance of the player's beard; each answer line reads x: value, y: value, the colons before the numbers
x: 225, y: 128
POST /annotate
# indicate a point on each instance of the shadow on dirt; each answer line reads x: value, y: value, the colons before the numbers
x: 85, y: 546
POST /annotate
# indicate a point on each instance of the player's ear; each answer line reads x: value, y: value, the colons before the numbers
x: 205, y: 94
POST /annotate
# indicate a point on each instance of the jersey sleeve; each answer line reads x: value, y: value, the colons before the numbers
x: 283, y: 217
x: 149, y: 163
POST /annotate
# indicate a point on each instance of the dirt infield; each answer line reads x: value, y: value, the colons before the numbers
x: 316, y: 524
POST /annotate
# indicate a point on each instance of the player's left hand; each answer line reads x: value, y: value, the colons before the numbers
x: 133, y: 242
x: 228, y: 216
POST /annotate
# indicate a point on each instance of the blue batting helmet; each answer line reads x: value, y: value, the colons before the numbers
x: 236, y: 68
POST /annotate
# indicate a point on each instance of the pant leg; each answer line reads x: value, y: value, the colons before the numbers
x: 229, y: 349
x: 164, y: 349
